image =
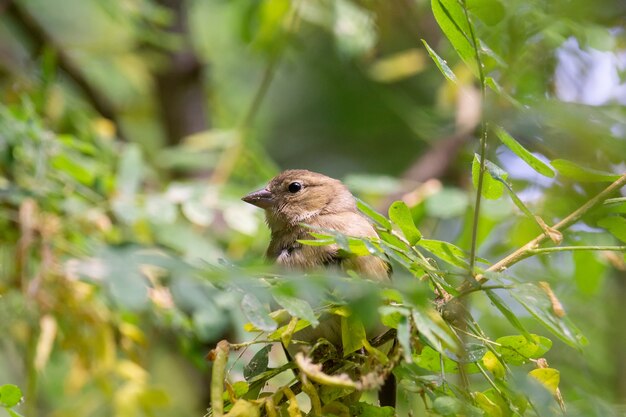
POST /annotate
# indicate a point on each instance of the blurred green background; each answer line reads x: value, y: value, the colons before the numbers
x: 130, y: 129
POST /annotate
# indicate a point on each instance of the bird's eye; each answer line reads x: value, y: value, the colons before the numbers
x: 294, y: 187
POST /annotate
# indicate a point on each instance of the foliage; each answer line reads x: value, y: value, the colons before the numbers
x: 125, y: 257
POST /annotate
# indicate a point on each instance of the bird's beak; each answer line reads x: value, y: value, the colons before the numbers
x: 261, y: 198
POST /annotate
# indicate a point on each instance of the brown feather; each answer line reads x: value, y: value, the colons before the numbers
x: 322, y: 202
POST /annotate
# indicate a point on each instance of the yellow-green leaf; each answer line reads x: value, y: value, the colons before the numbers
x: 491, y: 362
x: 400, y: 214
x: 548, y: 377
x: 352, y: 334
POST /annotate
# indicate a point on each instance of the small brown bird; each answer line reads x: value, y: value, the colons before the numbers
x: 297, y: 197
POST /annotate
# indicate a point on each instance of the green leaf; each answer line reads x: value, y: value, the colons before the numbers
x: 571, y: 170
x: 431, y: 326
x: 548, y: 377
x: 616, y: 225
x: 240, y: 388
x: 13, y: 413
x: 297, y: 308
x: 69, y: 165
x: 257, y: 313
x: 404, y: 338
x: 441, y: 63
x: 258, y: 363
x: 373, y: 214
x: 400, y: 214
x: 432, y: 360
x: 446, y: 251
x: 451, y: 19
x: 352, y: 334
x: 488, y: 406
x: 506, y: 312
x: 278, y: 334
x: 493, y: 364
x: 538, y: 304
x: 10, y: 395
x: 517, y: 350
x: 534, y: 162
x: 492, y: 188
x: 447, y: 406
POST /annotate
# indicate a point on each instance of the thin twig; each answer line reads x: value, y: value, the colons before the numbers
x: 542, y: 251
x: 526, y: 250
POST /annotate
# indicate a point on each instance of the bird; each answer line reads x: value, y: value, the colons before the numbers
x: 297, y: 200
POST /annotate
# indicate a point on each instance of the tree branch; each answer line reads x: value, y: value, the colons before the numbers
x: 527, y: 250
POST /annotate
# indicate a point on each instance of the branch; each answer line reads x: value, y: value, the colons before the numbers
x: 527, y: 250
x: 542, y: 251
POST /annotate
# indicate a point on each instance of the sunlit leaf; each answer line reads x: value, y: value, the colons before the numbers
x: 451, y: 19
x: 548, y: 377
x: 571, y: 170
x: 73, y: 168
x: 534, y: 162
x: 491, y: 187
x: 518, y: 350
x: 10, y: 395
x: 400, y: 214
x: 489, y: 407
x: 243, y: 408
x: 441, y: 63
x: 493, y: 364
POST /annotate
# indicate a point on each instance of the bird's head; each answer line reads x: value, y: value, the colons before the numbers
x: 295, y: 196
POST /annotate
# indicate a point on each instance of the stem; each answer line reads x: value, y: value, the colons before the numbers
x: 471, y: 280
x: 615, y: 200
x: 483, y: 145
x: 217, y: 378
x: 541, y: 251
x: 526, y: 250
